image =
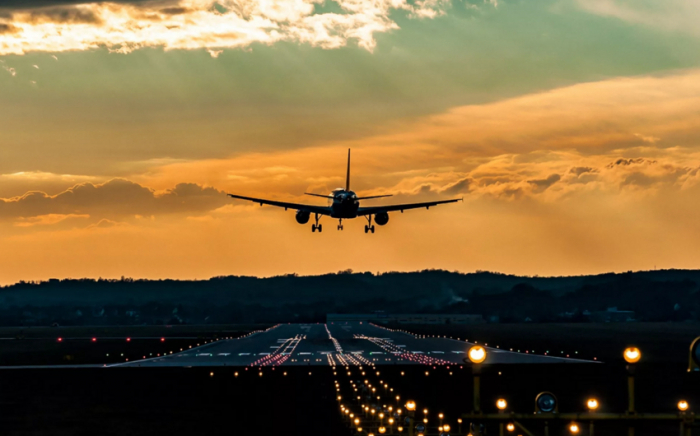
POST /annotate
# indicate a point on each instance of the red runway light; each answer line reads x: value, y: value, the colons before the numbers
x: 128, y: 339
x: 94, y: 339
x: 162, y: 339
x: 60, y: 339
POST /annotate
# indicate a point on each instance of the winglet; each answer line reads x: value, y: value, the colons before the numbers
x: 347, y: 179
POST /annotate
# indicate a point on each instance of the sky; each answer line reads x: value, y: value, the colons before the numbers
x: 571, y: 129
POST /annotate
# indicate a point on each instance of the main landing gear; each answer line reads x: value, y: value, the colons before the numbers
x: 369, y: 227
x: 340, y: 224
x: 317, y: 226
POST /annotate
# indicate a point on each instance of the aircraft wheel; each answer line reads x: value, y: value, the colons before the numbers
x: 373, y: 229
x: 320, y: 228
x: 313, y: 228
x: 366, y: 229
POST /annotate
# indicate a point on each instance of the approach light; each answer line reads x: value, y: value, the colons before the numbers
x: 501, y: 404
x: 381, y: 430
x: 510, y: 427
x: 477, y: 354
x: 632, y: 355
x: 573, y: 428
x: 592, y: 404
x: 411, y: 406
x: 682, y: 405
x: 446, y: 427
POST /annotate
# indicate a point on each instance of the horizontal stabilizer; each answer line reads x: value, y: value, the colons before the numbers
x: 374, y: 196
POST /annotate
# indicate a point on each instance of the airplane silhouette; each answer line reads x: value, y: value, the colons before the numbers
x: 345, y: 205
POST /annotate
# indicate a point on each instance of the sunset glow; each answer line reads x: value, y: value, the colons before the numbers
x: 126, y: 123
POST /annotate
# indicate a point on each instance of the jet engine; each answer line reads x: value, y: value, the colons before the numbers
x: 381, y: 218
x: 303, y: 217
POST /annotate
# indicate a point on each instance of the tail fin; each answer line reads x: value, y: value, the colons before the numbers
x: 347, y: 179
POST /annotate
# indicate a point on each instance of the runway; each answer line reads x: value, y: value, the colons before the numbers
x: 336, y: 344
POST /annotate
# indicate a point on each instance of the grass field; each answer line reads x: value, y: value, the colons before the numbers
x: 96, y: 345
x: 659, y: 342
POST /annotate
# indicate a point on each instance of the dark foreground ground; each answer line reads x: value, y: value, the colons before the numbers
x: 189, y: 401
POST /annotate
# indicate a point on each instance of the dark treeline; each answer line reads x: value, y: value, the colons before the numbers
x: 669, y: 295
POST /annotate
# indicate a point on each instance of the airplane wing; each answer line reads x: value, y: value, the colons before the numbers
x: 394, y: 207
x: 321, y: 210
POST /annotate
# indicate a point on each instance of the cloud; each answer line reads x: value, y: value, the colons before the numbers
x: 115, y: 198
x: 458, y: 187
x: 667, y: 15
x: 106, y: 224
x: 581, y: 170
x: 628, y: 162
x: 57, y: 16
x: 204, y: 24
x: 649, y: 139
x: 6, y: 28
x: 547, y: 146
x: 47, y: 220
x: 542, y: 184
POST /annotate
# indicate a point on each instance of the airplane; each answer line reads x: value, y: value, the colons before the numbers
x: 344, y: 204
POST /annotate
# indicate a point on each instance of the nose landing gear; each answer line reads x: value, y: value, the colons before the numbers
x: 317, y: 226
x: 340, y: 224
x: 369, y: 227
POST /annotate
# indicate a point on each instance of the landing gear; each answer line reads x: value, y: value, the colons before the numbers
x: 317, y: 226
x: 340, y: 224
x: 369, y: 227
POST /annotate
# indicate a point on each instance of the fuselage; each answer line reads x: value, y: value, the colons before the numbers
x: 344, y: 204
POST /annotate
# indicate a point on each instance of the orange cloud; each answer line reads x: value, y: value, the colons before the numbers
x: 559, y: 182
x: 46, y: 220
x: 115, y: 198
x: 202, y: 24
x: 546, y: 145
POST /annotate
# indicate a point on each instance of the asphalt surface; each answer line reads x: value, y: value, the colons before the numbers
x: 335, y: 344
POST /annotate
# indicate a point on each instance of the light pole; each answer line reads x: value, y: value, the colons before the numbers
x: 632, y: 356
x: 682, y: 409
x: 501, y: 405
x: 410, y: 413
x: 477, y: 354
x: 592, y: 405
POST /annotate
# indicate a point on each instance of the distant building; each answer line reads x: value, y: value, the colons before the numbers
x: 613, y: 315
x: 405, y: 318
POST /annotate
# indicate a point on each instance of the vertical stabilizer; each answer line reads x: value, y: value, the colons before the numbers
x: 347, y: 179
